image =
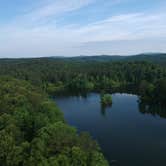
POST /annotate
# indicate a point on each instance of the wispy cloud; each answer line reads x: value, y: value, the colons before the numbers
x: 48, y: 10
x: 127, y: 27
x: 31, y: 34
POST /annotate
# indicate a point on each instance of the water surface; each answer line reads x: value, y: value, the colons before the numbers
x: 125, y: 133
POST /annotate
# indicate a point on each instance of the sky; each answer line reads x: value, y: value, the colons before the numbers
x: 40, y: 28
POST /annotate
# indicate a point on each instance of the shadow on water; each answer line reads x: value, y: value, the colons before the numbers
x: 72, y: 94
x: 152, y: 109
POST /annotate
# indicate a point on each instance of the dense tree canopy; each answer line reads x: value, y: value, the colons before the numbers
x: 33, y: 131
x: 106, y: 99
x: 58, y: 76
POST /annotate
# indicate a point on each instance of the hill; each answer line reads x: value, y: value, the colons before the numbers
x: 159, y: 58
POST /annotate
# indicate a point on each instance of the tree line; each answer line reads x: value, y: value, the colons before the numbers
x: 59, y: 76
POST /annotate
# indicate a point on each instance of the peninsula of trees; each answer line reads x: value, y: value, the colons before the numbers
x: 33, y: 131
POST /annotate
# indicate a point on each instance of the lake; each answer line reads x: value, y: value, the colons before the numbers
x: 127, y: 135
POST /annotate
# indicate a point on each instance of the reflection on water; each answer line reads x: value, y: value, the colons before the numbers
x: 155, y: 110
x: 129, y: 133
x: 104, y: 109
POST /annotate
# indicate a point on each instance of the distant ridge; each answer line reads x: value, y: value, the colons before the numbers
x: 158, y: 58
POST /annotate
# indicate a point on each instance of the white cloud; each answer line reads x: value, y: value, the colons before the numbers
x: 26, y: 36
x: 126, y: 27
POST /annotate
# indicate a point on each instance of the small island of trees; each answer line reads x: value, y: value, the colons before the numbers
x: 106, y: 99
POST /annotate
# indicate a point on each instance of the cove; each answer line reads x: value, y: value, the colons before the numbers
x: 127, y: 135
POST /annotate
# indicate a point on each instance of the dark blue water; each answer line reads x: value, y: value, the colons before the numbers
x: 124, y: 133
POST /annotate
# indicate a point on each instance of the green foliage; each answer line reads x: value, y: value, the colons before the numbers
x: 106, y: 99
x: 146, y: 90
x: 55, y: 88
x: 98, y: 159
x: 160, y: 91
x: 153, y: 93
x: 56, y: 76
x: 80, y: 84
x: 33, y: 131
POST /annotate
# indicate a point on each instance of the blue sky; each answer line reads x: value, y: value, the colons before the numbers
x: 37, y: 28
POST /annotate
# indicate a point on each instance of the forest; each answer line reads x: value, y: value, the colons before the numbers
x: 61, y: 75
x: 33, y: 131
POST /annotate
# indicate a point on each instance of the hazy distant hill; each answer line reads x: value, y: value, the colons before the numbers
x: 99, y: 58
x: 159, y: 58
x: 155, y: 57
